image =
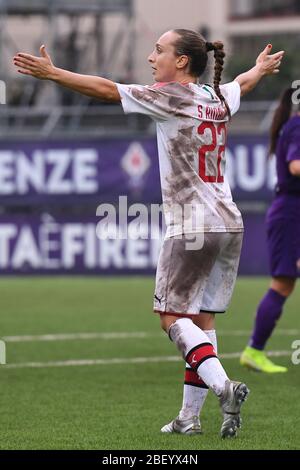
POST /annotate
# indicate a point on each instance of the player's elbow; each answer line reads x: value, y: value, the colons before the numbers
x: 244, y: 91
x: 109, y: 93
x: 294, y: 168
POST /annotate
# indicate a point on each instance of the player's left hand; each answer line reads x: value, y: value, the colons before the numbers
x: 39, y: 67
x: 269, y: 63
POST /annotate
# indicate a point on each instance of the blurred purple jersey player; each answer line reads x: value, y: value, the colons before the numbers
x: 283, y: 231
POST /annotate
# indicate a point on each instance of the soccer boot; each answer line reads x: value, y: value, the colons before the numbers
x: 231, y: 400
x: 188, y: 426
x: 257, y: 360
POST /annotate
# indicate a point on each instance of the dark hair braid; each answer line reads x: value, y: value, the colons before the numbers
x: 281, y: 116
x: 219, y: 55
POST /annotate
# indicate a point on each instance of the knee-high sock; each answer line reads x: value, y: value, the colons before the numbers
x: 194, y: 389
x: 198, y: 352
x: 268, y: 313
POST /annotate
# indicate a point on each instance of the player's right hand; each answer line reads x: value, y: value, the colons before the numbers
x: 269, y: 63
x: 39, y: 67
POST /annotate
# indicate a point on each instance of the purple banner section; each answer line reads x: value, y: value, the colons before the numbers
x: 48, y: 245
x: 251, y: 173
x: 70, y: 172
x: 254, y: 257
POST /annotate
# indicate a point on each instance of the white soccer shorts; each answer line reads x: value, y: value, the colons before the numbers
x: 192, y: 281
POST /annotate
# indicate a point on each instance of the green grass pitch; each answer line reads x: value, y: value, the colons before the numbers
x: 122, y: 405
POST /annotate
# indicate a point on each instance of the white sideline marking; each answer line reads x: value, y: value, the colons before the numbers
x: 116, y: 361
x: 72, y: 336
x: 122, y: 335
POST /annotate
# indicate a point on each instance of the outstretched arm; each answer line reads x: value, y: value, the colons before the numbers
x: 43, y: 68
x: 266, y: 64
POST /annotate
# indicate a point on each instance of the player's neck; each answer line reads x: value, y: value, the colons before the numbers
x: 185, y: 78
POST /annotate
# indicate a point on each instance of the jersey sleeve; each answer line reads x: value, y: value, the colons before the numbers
x: 232, y: 93
x: 293, y: 149
x: 144, y: 100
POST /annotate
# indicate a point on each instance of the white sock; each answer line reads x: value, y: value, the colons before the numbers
x: 187, y: 336
x: 213, y: 374
x: 194, y: 395
x: 193, y: 400
x: 213, y: 338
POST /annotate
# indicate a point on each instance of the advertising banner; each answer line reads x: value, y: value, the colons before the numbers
x: 95, y: 171
x: 60, y: 177
x: 49, y: 245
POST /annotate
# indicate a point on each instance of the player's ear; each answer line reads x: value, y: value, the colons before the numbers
x: 182, y: 61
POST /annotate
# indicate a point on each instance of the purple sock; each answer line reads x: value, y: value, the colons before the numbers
x: 268, y: 312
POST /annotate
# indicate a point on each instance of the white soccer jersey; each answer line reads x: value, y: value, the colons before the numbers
x: 191, y: 134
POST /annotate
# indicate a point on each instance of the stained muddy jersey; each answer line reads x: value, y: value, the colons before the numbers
x: 191, y: 134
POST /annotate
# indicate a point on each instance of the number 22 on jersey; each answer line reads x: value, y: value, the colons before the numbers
x: 208, y: 151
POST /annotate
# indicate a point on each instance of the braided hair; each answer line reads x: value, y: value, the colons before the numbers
x: 219, y: 55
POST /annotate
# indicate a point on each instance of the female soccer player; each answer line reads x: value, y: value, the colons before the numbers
x: 191, y: 285
x: 283, y: 229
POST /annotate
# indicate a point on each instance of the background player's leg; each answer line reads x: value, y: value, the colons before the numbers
x: 268, y: 313
x: 270, y: 309
x: 283, y: 285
